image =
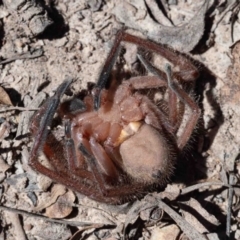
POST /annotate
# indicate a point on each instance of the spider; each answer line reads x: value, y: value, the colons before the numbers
x: 118, y: 143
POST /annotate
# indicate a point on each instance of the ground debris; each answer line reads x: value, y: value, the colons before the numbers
x: 30, y: 13
x: 4, y: 97
x: 32, y: 65
x: 62, y: 207
x: 184, y: 38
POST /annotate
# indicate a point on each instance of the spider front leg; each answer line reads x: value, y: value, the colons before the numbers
x: 188, y: 71
x: 173, y: 111
x: 184, y: 97
x: 42, y: 120
x: 40, y: 128
x: 98, y: 177
x: 107, y: 68
x: 175, y: 91
x: 45, y: 142
x: 68, y: 174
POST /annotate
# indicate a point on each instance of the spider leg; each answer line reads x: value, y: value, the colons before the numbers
x: 183, y: 96
x: 39, y: 127
x: 154, y: 115
x: 146, y: 82
x: 102, y: 80
x: 173, y: 109
x: 93, y: 165
x: 79, y: 183
x: 43, y: 119
x: 70, y: 148
x: 150, y: 67
x: 100, y: 164
x: 44, y: 140
x: 106, y: 189
x: 82, y: 182
x: 188, y: 71
x: 74, y: 162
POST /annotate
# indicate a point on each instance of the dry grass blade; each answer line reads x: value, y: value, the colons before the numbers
x: 29, y: 55
x: 65, y: 222
x: 188, y: 229
x: 229, y: 210
x: 200, y: 185
x: 18, y: 109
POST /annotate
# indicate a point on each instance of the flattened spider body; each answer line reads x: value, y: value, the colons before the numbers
x: 118, y: 142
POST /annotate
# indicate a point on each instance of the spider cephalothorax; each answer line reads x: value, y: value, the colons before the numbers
x: 118, y: 142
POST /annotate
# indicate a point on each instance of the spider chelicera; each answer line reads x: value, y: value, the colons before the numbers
x: 118, y: 142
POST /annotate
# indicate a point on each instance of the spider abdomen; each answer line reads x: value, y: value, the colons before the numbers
x: 147, y: 157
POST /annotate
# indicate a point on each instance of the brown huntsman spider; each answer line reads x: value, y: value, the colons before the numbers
x: 118, y: 142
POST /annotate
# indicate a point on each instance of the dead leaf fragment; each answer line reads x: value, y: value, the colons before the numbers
x: 62, y: 208
x: 4, y: 98
x: 184, y: 38
x: 46, y: 201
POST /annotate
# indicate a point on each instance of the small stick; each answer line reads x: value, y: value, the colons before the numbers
x: 29, y: 55
x: 71, y: 223
x: 199, y: 185
x: 230, y: 201
x: 18, y: 108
